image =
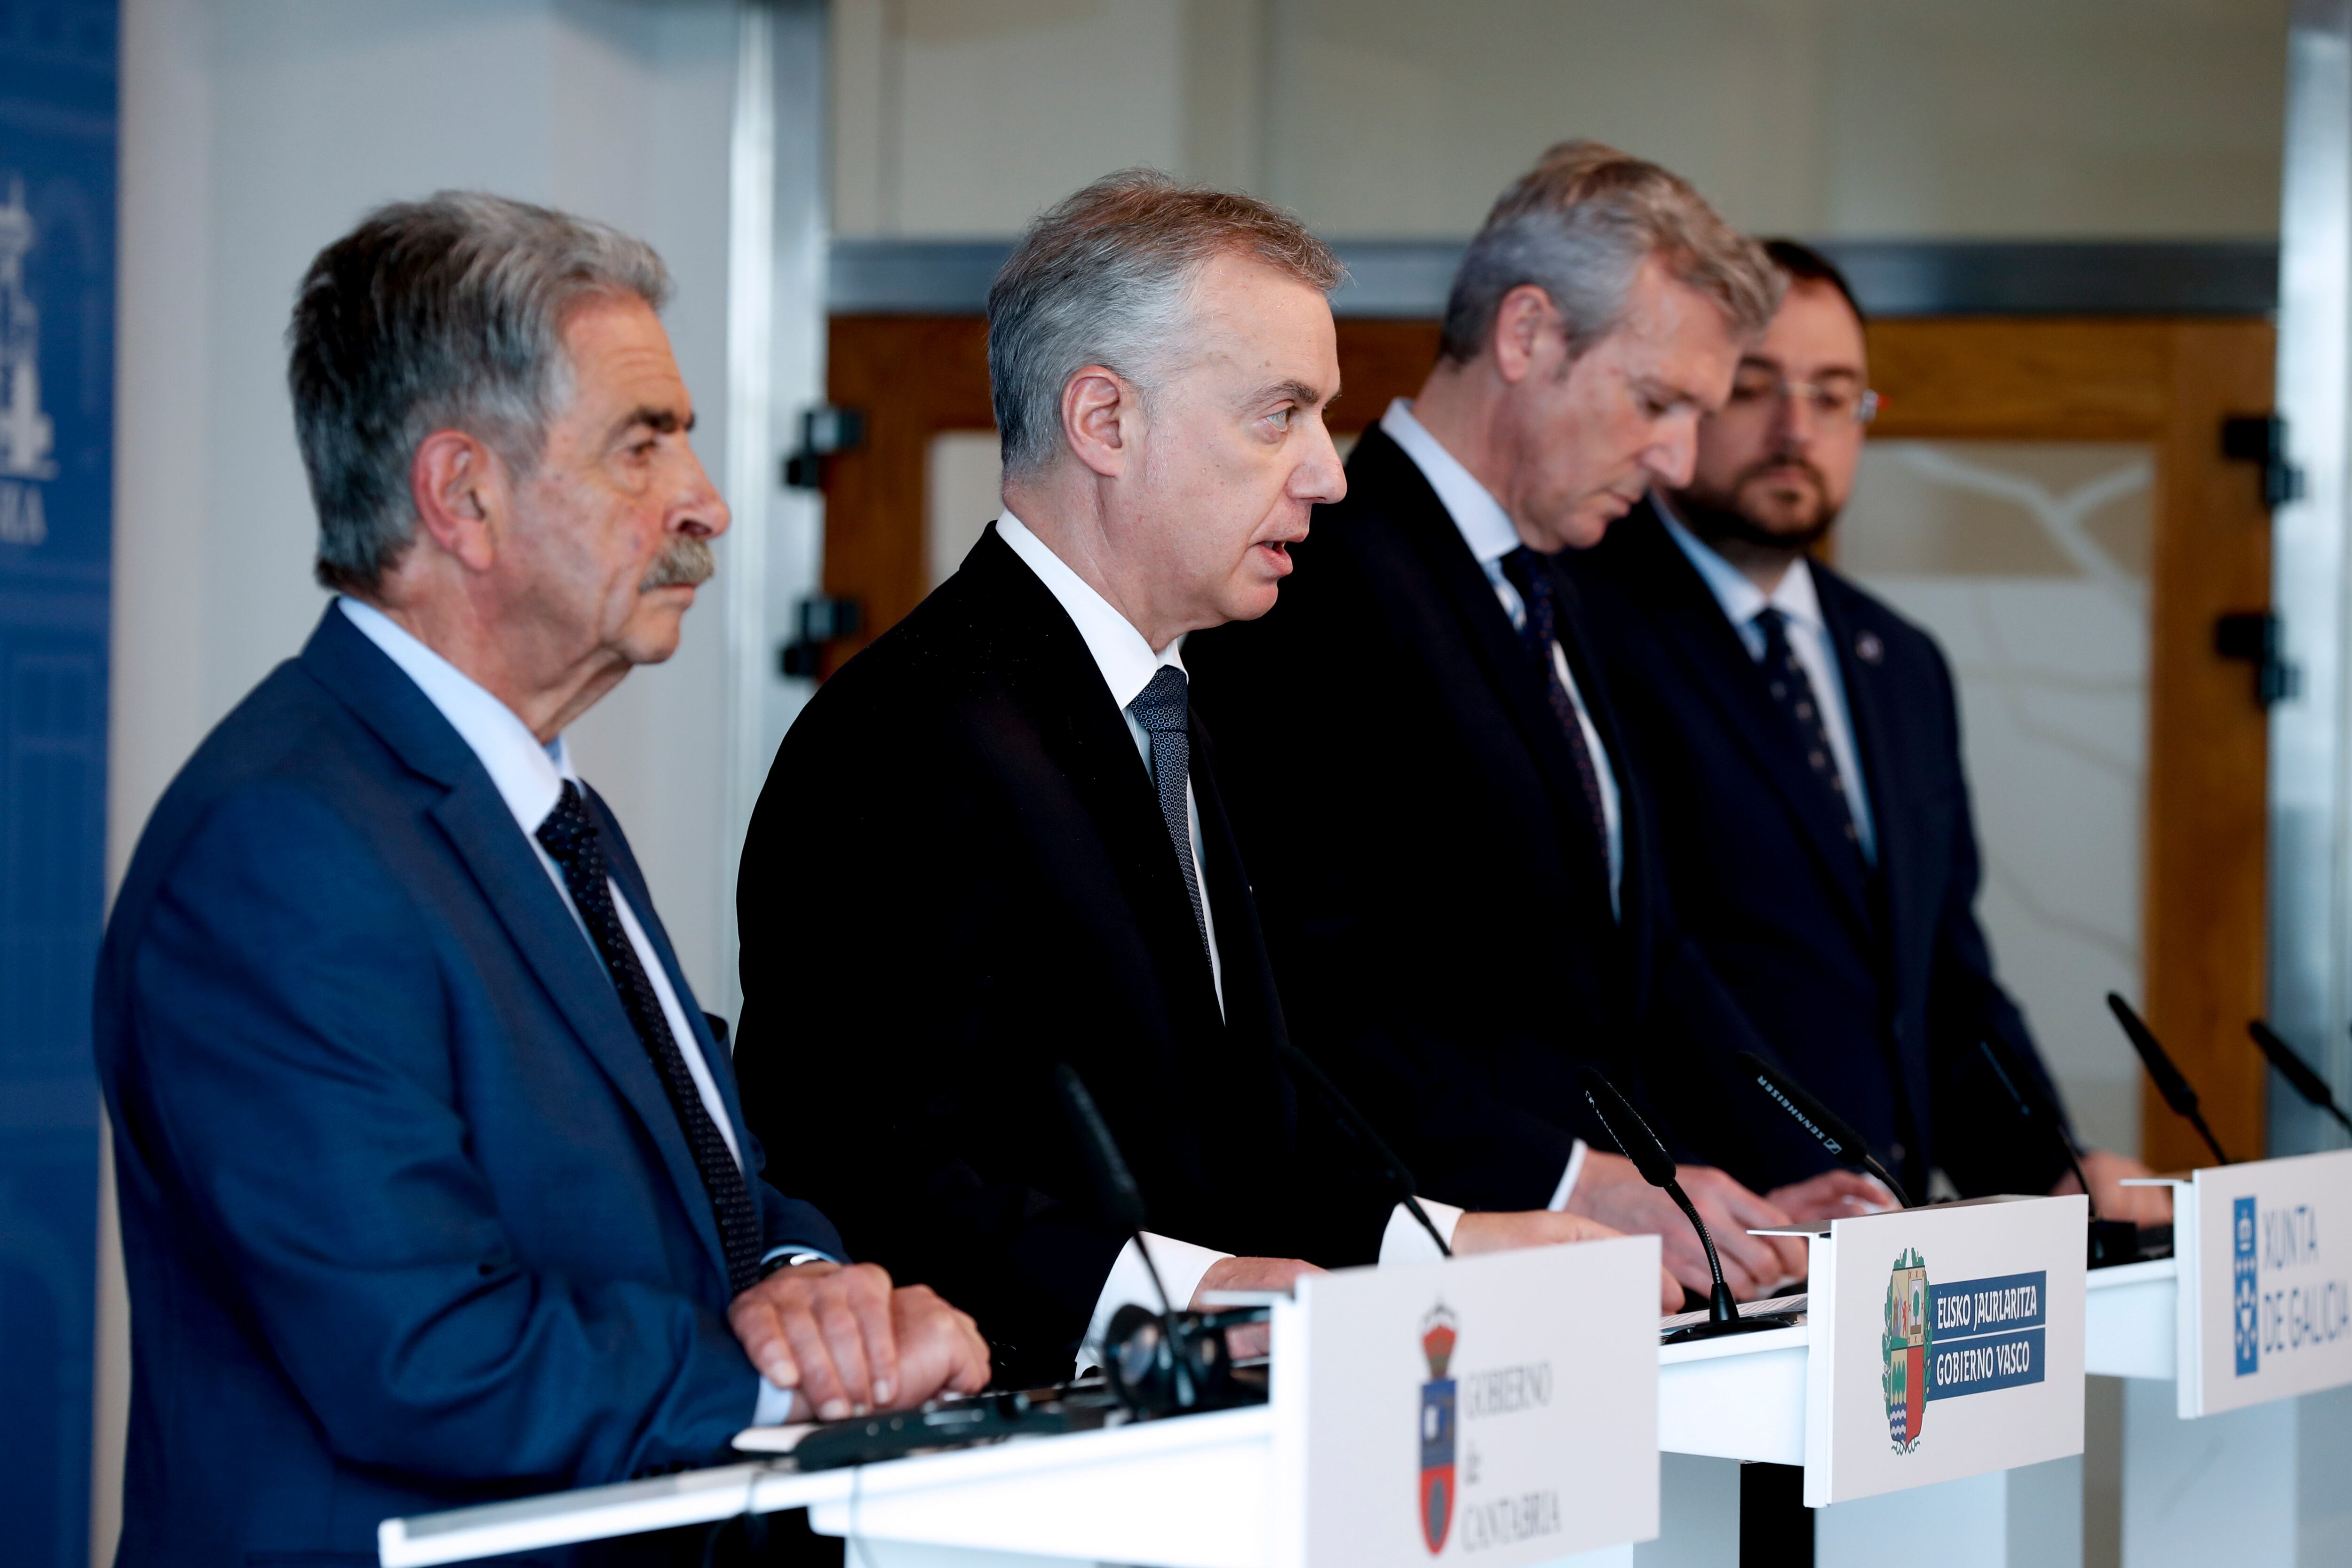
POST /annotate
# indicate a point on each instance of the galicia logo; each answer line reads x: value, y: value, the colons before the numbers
x: 2244, y: 1288
x: 1437, y: 1430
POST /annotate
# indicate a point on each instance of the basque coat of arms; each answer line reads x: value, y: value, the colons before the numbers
x: 1437, y: 1430
x: 1910, y: 1338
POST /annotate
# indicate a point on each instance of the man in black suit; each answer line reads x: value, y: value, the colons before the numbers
x: 996, y: 840
x: 1426, y: 769
x: 1803, y: 746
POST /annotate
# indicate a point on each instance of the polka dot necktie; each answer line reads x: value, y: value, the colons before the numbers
x: 1164, y: 709
x: 1793, y: 692
x: 571, y: 841
x: 1540, y: 629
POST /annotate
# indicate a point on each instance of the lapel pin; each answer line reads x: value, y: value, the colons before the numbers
x: 1868, y: 648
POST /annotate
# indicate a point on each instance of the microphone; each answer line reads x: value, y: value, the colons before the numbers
x: 1639, y: 1144
x: 2163, y: 1073
x: 2112, y: 1241
x: 1155, y: 1362
x: 2299, y: 1074
x: 1827, y: 1126
x: 1400, y: 1180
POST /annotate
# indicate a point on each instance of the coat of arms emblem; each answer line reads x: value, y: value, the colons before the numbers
x: 1437, y: 1430
x: 1910, y: 1337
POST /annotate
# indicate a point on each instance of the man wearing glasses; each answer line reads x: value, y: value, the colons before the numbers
x: 1802, y: 741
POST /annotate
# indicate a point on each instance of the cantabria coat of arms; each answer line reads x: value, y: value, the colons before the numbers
x: 1910, y: 1338
x: 1437, y: 1430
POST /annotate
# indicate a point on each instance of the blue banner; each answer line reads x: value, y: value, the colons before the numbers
x: 1986, y: 1334
x: 58, y: 141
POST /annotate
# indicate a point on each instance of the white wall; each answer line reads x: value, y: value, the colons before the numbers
x: 1910, y: 118
x: 254, y: 131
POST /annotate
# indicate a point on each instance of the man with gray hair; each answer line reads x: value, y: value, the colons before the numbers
x: 1424, y: 771
x: 434, y: 1185
x: 1013, y: 819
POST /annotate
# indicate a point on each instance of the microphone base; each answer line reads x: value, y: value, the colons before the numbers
x: 1712, y: 1331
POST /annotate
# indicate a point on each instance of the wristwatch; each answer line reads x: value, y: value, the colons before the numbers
x: 791, y: 1260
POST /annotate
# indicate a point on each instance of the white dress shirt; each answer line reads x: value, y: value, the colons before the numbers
x: 1800, y: 604
x: 1489, y: 532
x: 530, y: 778
x: 1128, y: 664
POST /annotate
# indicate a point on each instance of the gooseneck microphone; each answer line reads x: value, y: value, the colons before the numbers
x: 2111, y: 1242
x: 1400, y: 1179
x: 1828, y: 1128
x: 2163, y: 1073
x: 2299, y: 1074
x: 1639, y: 1144
x: 1157, y: 1363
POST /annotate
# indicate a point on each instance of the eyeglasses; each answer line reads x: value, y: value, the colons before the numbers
x: 1831, y: 403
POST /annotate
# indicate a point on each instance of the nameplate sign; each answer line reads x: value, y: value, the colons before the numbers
x: 2266, y: 1261
x: 1494, y: 1410
x: 1947, y: 1341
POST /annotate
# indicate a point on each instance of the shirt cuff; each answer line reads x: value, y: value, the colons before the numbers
x: 1405, y: 1242
x: 1567, y: 1188
x: 775, y: 1406
x: 1180, y: 1266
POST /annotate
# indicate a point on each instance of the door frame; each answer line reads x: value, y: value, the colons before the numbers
x: 2166, y: 382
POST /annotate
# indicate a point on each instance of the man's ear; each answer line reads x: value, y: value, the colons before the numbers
x: 458, y: 488
x: 1525, y: 322
x: 1101, y: 416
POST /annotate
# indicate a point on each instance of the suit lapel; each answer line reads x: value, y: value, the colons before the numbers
x: 1704, y: 640
x: 1448, y: 565
x: 1061, y: 693
x: 1882, y: 779
x: 516, y: 887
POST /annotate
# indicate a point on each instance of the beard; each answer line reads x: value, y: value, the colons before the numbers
x: 686, y: 564
x: 1718, y: 514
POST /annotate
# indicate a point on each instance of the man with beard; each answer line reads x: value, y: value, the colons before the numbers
x: 434, y: 1185
x: 1458, y: 872
x: 1802, y: 744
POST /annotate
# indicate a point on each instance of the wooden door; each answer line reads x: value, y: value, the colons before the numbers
x: 2166, y: 383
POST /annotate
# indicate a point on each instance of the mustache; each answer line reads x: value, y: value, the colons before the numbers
x: 1803, y: 465
x: 686, y: 564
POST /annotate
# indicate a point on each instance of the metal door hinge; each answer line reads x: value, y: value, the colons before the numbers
x: 2261, y: 438
x: 824, y: 430
x: 2257, y: 636
x: 822, y: 617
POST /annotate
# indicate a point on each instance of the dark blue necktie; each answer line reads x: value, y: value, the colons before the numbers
x: 571, y: 841
x: 1164, y: 709
x: 1793, y: 692
x: 1540, y: 629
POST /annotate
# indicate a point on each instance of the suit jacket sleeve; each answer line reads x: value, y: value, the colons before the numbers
x: 1977, y: 1136
x: 293, y: 1071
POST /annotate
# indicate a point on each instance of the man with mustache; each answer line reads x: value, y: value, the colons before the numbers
x: 1428, y: 772
x: 434, y: 1185
x: 1802, y: 744
x: 996, y: 843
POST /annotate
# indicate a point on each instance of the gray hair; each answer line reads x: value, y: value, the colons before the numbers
x: 1105, y: 278
x: 441, y: 314
x: 1579, y: 225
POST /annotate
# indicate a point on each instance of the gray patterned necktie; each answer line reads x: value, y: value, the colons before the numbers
x: 1164, y: 709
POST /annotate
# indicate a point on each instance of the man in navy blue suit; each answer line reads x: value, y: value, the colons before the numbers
x: 433, y: 1183
x: 1802, y: 743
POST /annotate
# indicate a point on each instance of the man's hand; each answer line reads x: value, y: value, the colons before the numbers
x: 1250, y: 1274
x: 1247, y: 1339
x: 847, y: 1343
x: 2141, y: 1206
x: 1476, y: 1233
x: 1613, y: 1192
x: 1838, y: 1194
